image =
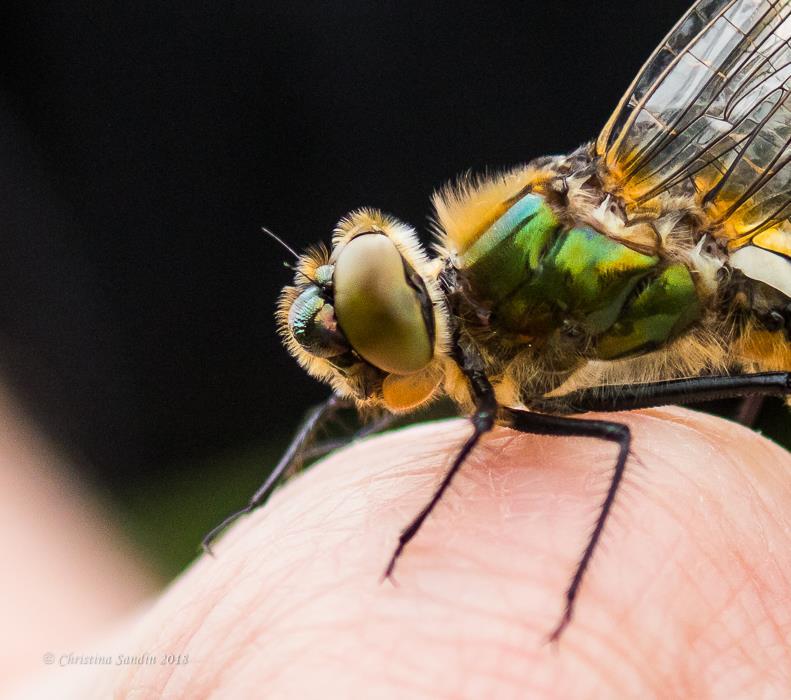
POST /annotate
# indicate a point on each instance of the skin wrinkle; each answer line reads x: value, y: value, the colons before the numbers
x: 731, y: 638
x: 660, y: 673
x: 731, y: 592
x: 761, y: 496
x: 231, y: 670
x: 167, y: 680
x: 482, y: 612
x: 752, y: 676
x: 323, y: 640
x: 609, y: 659
x: 404, y: 682
x: 453, y: 639
x: 735, y: 658
x: 756, y: 584
x: 750, y: 485
x: 693, y: 485
x: 279, y: 612
x: 733, y: 466
x: 607, y: 668
x: 665, y: 562
x: 620, y: 652
x: 233, y: 642
x: 765, y: 616
x: 188, y: 634
x: 753, y: 580
x: 399, y: 675
x: 252, y: 633
x: 732, y: 641
x: 518, y: 650
x: 464, y: 561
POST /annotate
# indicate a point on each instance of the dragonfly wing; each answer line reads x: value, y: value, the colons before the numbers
x: 709, y: 116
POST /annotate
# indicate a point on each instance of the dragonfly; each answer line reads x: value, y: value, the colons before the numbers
x: 651, y: 266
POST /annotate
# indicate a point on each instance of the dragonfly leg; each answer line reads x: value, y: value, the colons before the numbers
x: 626, y: 397
x: 377, y: 425
x: 749, y: 410
x: 540, y: 424
x: 317, y: 417
x: 481, y: 425
x: 482, y: 422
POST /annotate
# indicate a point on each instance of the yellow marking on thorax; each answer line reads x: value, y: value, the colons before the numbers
x: 469, y: 208
x: 764, y: 351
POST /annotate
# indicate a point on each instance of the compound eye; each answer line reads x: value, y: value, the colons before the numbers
x: 380, y: 312
x: 312, y: 322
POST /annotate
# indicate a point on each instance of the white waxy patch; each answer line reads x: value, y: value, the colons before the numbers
x: 763, y: 266
x: 607, y: 213
x: 705, y: 265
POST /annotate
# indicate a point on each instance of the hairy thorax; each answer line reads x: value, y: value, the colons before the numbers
x: 561, y: 286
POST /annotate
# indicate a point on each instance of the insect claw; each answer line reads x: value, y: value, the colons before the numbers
x: 551, y: 640
x: 207, y: 541
x: 554, y: 637
x: 388, y: 575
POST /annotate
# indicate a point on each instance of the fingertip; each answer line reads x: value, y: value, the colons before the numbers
x: 489, y: 568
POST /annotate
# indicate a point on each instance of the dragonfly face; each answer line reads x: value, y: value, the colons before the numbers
x: 368, y: 316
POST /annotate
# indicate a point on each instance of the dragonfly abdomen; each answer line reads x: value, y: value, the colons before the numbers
x: 536, y: 277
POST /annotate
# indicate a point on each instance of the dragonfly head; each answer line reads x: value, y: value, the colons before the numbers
x: 368, y: 317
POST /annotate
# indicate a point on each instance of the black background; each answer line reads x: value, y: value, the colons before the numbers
x: 142, y: 146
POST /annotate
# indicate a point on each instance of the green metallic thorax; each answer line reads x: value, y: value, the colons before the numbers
x: 537, y: 277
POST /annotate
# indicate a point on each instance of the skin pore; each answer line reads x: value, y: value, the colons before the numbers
x: 689, y: 595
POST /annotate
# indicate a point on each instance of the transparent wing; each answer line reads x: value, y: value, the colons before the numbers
x: 710, y: 115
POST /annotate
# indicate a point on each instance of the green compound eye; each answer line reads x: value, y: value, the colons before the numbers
x: 312, y: 323
x: 379, y: 312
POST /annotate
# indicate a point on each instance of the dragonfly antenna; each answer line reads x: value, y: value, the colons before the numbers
x: 294, y: 268
x: 281, y: 241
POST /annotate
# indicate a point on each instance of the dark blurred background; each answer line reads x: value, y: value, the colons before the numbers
x: 142, y: 146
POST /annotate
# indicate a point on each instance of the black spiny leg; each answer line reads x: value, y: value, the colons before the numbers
x: 315, y: 419
x: 377, y: 425
x: 628, y: 397
x: 482, y: 422
x: 540, y: 424
x: 749, y: 410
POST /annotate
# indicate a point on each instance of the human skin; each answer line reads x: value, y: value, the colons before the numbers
x: 689, y: 594
x: 67, y: 572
